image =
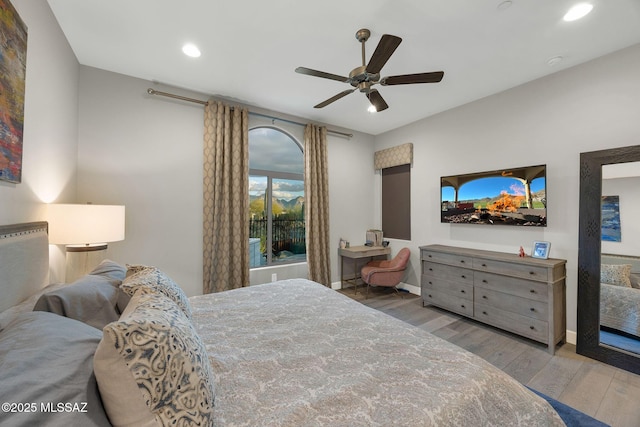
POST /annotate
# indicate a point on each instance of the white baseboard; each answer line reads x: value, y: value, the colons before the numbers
x: 571, y: 337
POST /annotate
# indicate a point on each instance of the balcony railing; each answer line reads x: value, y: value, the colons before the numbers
x: 288, y: 237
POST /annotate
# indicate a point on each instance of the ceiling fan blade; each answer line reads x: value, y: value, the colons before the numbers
x: 334, y: 98
x: 387, y: 45
x: 315, y: 73
x: 408, y: 79
x: 376, y: 100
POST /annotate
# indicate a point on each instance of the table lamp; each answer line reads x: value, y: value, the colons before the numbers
x: 85, y: 230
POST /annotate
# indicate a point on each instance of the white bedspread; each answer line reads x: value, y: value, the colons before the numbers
x: 294, y: 353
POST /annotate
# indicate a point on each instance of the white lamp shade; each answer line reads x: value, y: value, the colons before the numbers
x: 85, y: 224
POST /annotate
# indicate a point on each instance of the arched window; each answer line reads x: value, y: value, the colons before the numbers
x: 276, y: 198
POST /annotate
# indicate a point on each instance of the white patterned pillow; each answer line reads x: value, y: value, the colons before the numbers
x: 616, y: 274
x: 152, y: 367
x: 146, y: 280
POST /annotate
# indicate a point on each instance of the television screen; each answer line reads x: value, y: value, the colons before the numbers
x: 516, y: 196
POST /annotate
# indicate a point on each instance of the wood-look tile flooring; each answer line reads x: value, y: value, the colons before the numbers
x: 606, y: 393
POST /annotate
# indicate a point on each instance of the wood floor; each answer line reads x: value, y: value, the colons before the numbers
x: 608, y: 394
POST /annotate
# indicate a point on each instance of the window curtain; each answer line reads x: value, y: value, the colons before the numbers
x: 316, y: 193
x: 225, y: 199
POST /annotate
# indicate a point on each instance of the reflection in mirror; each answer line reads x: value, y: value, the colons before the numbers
x: 593, y: 165
x: 620, y: 257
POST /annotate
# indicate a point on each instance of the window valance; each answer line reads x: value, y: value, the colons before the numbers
x: 394, y: 156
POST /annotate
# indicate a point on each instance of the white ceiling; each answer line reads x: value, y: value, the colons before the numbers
x: 250, y: 48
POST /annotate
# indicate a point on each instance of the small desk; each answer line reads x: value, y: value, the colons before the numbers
x: 355, y: 253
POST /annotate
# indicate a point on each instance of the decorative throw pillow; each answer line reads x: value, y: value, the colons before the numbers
x: 616, y: 274
x: 143, y: 279
x: 94, y: 299
x: 152, y: 367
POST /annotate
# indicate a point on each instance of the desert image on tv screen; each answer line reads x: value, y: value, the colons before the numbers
x: 514, y: 196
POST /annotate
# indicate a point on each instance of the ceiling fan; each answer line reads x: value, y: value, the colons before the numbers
x: 367, y: 75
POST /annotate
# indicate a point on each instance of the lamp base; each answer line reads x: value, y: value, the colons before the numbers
x: 81, y: 259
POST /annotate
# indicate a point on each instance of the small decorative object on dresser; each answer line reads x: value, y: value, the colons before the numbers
x: 525, y: 296
x: 540, y: 250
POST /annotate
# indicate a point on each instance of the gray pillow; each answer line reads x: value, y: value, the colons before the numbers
x: 47, y: 359
x: 94, y: 299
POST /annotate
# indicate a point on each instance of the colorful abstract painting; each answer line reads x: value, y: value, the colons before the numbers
x: 611, y: 219
x: 13, y: 67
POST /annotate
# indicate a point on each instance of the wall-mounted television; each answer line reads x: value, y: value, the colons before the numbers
x: 516, y: 196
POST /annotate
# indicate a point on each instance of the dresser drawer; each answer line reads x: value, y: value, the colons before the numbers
x: 527, y: 271
x: 511, y: 285
x: 463, y: 290
x: 528, y: 327
x: 447, y: 272
x: 448, y: 301
x: 522, y: 306
x: 445, y: 258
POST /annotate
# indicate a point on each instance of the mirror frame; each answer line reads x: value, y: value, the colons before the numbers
x: 589, y: 245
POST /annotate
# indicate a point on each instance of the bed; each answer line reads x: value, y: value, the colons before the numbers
x: 124, y: 346
x: 620, y: 294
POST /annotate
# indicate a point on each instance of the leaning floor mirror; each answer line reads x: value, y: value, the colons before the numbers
x: 609, y: 257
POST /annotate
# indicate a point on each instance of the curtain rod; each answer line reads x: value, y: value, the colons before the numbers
x: 197, y: 101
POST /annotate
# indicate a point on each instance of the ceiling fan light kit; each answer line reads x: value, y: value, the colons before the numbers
x: 367, y: 75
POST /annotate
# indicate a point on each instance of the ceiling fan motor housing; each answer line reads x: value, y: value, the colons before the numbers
x: 362, y: 79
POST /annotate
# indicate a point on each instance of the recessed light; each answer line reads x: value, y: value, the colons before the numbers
x: 191, y: 50
x: 578, y: 11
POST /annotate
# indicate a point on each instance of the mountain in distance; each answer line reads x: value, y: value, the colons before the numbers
x: 256, y: 204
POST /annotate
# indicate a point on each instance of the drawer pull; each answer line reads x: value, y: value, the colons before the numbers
x: 533, y: 291
x: 484, y: 265
x: 429, y: 256
x: 431, y: 283
x: 462, y: 305
x: 429, y: 296
x: 533, y: 309
x: 462, y: 261
x: 484, y: 312
x: 463, y: 276
x: 531, y: 327
x: 430, y: 269
x: 484, y: 297
x: 484, y: 281
x: 532, y: 272
x: 463, y: 291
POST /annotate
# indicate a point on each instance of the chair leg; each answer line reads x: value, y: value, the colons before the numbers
x: 398, y: 292
x: 367, y: 292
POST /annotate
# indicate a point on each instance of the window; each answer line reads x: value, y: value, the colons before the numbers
x: 276, y: 198
x: 396, y: 202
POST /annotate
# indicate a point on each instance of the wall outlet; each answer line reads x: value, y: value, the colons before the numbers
x: 274, y: 277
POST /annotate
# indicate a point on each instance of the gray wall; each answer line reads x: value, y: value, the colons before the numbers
x: 50, y: 125
x: 145, y: 152
x: 548, y: 121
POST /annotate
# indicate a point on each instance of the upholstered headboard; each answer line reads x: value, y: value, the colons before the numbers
x: 24, y: 261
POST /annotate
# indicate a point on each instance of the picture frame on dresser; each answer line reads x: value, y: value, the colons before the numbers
x: 540, y: 250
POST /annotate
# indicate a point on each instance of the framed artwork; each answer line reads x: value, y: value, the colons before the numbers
x: 611, y: 219
x: 13, y: 67
x: 540, y: 250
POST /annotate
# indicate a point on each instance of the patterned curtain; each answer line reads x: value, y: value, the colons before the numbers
x: 316, y: 194
x: 226, y: 201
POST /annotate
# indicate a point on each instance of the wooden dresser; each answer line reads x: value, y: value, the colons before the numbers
x: 525, y: 296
